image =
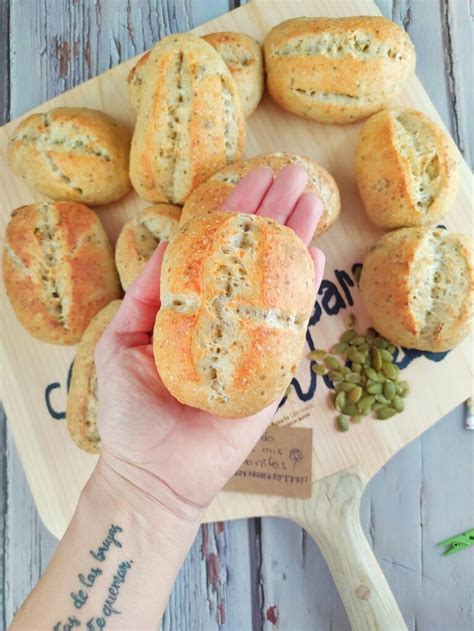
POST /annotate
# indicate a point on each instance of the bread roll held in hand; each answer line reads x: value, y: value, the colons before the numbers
x: 59, y: 270
x: 337, y: 70
x: 141, y: 236
x: 81, y: 414
x: 189, y: 122
x: 406, y: 169
x: 72, y: 154
x: 417, y: 287
x: 241, y: 54
x: 237, y: 292
x: 210, y: 196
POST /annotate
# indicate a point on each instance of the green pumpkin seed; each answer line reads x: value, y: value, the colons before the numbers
x: 343, y: 422
x: 345, y: 370
x: 354, y: 395
x: 391, y: 349
x: 345, y: 386
x: 340, y: 401
x: 403, y: 388
x: 375, y: 388
x: 365, y: 403
x: 356, y: 419
x: 363, y: 347
x: 398, y: 404
x: 351, y: 409
x: 397, y: 372
x: 371, y: 373
x: 356, y: 368
x: 377, y: 406
x: 384, y: 354
x: 348, y: 335
x: 386, y: 413
x: 338, y: 348
x: 335, y: 376
x: 319, y: 370
x: 353, y: 376
x: 388, y: 370
x: 380, y: 342
x: 358, y: 339
x: 318, y: 354
x: 332, y: 363
x: 376, y: 358
x: 389, y: 390
x: 381, y: 399
x: 355, y: 356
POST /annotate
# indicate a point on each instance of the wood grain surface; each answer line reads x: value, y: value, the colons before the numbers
x: 234, y: 578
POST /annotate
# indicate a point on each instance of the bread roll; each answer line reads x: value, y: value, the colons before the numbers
x: 140, y: 237
x: 189, y: 122
x: 241, y: 54
x: 72, y: 154
x: 81, y: 414
x: 237, y: 291
x: 59, y: 269
x: 417, y: 287
x: 337, y: 70
x: 406, y: 169
x: 210, y: 196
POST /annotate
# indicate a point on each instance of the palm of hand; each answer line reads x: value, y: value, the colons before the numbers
x: 148, y: 437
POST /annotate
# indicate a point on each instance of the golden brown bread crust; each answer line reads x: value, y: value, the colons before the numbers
x: 59, y: 270
x: 237, y: 291
x: 242, y: 55
x: 337, y: 70
x: 72, y: 154
x: 81, y: 414
x: 417, y: 287
x: 406, y: 169
x: 141, y: 236
x: 189, y: 122
x: 210, y: 196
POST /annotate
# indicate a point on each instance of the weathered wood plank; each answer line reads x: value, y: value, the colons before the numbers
x: 4, y: 61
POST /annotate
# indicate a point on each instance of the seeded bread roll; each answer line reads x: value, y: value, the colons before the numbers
x: 337, y: 70
x: 189, y: 122
x: 81, y: 414
x: 210, y: 196
x: 141, y: 236
x: 406, y: 169
x: 72, y: 154
x: 237, y: 292
x: 417, y: 287
x: 59, y: 270
x: 241, y: 54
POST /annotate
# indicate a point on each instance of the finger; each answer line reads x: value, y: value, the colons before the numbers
x: 319, y: 261
x: 280, y: 200
x: 305, y: 216
x: 250, y: 191
x: 134, y: 321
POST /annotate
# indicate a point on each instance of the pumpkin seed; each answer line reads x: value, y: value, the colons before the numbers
x: 356, y: 419
x: 332, y: 363
x: 351, y: 409
x: 348, y: 335
x: 354, y: 395
x: 353, y: 376
x: 375, y: 388
x: 363, y: 347
x: 391, y: 349
x: 389, y: 390
x: 318, y: 354
x: 381, y: 399
x: 398, y: 403
x: 319, y: 370
x: 403, y: 388
x: 340, y: 401
x: 397, y: 372
x: 371, y: 373
x: 355, y: 356
x: 377, y: 406
x: 388, y: 370
x: 380, y: 342
x: 384, y: 354
x: 345, y: 370
x: 338, y: 348
x: 376, y: 358
x: 365, y: 403
x: 334, y: 376
x: 344, y: 386
x: 386, y: 413
x: 358, y: 339
x: 343, y: 422
x: 356, y: 368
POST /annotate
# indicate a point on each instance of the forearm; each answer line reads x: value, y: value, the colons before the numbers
x: 116, y: 564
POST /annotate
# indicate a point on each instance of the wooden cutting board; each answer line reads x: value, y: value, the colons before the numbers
x: 35, y: 374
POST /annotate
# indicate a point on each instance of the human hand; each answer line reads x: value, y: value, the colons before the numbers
x: 175, y: 455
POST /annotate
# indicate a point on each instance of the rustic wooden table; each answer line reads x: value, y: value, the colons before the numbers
x: 260, y: 574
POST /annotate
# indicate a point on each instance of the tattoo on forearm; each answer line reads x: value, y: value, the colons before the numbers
x: 88, y: 579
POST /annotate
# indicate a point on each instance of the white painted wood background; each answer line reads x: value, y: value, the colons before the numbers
x: 261, y: 574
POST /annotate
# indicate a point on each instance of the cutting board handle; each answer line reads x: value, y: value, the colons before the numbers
x: 332, y: 520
